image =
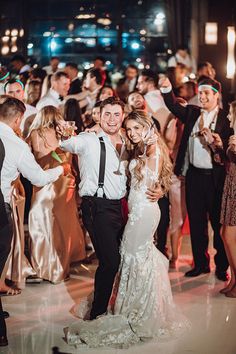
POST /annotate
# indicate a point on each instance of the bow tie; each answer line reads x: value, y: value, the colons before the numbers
x: 61, y: 98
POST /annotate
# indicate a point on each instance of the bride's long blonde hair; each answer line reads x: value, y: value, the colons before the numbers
x: 135, y: 150
x: 47, y: 117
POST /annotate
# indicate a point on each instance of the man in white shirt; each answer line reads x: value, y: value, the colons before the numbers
x: 181, y: 56
x: 15, y: 88
x: 200, y: 158
x: 60, y: 84
x: 53, y: 67
x: 93, y: 82
x: 103, y: 198
x: 147, y: 86
x: 18, y: 157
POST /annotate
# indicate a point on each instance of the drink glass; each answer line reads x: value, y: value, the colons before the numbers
x: 68, y: 128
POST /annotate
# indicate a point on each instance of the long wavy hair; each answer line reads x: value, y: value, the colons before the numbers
x: 135, y: 150
x: 47, y: 117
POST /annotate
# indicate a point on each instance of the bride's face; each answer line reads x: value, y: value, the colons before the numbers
x: 134, y: 131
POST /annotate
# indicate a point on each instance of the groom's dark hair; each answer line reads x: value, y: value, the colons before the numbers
x: 112, y: 101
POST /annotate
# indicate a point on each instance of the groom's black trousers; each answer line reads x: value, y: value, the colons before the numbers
x: 104, y: 220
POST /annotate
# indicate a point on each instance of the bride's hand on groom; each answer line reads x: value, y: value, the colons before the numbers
x: 154, y: 193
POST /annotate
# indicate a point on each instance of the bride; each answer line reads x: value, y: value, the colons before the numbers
x: 141, y: 306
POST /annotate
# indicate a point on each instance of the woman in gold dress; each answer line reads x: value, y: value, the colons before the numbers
x: 56, y: 237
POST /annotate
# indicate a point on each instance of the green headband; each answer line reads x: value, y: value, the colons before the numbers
x: 16, y: 81
x: 5, y: 76
x: 207, y: 87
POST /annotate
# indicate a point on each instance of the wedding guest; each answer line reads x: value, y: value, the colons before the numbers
x: 173, y: 136
x: 15, y: 88
x: 34, y: 88
x: 72, y: 112
x: 75, y: 83
x: 105, y: 92
x: 60, y: 84
x: 18, y: 159
x: 53, y: 65
x: 128, y: 83
x: 96, y: 112
x: 135, y: 100
x: 54, y: 242
x: 19, y: 66
x: 228, y: 208
x: 199, y: 159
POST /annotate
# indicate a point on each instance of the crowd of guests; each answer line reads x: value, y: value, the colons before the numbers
x: 40, y: 181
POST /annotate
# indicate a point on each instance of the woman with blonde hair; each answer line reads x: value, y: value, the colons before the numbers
x: 141, y: 306
x: 228, y: 207
x: 56, y: 237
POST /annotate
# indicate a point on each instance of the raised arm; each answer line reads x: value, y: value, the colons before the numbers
x: 170, y: 100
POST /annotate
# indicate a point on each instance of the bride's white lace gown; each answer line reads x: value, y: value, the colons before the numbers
x: 141, y: 306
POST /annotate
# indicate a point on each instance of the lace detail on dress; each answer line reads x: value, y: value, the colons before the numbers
x: 141, y: 306
x: 137, y: 197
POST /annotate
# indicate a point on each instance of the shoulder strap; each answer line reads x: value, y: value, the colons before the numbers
x: 101, y: 167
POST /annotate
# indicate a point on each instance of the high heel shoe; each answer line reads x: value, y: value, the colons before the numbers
x: 232, y: 292
x: 226, y: 289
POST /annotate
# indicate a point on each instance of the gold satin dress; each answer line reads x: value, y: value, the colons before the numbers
x: 17, y: 267
x: 56, y: 237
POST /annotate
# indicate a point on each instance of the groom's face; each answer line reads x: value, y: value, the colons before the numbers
x: 111, y: 118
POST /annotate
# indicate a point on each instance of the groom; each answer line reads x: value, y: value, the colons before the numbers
x: 102, y: 165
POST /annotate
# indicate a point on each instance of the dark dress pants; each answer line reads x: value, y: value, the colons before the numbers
x: 203, y: 200
x: 5, y: 247
x: 3, y: 328
x: 103, y: 219
x: 163, y: 226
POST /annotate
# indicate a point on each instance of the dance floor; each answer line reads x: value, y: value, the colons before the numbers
x: 39, y: 314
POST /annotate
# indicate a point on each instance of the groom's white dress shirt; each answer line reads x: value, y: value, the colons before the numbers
x: 87, y: 147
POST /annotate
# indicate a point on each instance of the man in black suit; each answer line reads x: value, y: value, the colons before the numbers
x: 200, y: 158
x: 5, y: 244
x: 75, y: 84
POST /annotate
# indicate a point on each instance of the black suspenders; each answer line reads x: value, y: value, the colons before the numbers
x: 101, y: 168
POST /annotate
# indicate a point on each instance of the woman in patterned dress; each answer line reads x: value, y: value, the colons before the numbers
x: 228, y: 209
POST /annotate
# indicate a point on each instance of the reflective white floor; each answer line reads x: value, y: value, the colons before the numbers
x: 39, y: 314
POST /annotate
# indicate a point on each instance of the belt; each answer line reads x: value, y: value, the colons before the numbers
x: 203, y: 171
x: 101, y: 199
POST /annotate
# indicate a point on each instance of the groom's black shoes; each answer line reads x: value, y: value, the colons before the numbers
x: 197, y: 271
x: 5, y: 314
x: 3, y: 341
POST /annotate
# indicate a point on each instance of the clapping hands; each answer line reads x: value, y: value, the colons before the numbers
x: 211, y: 137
